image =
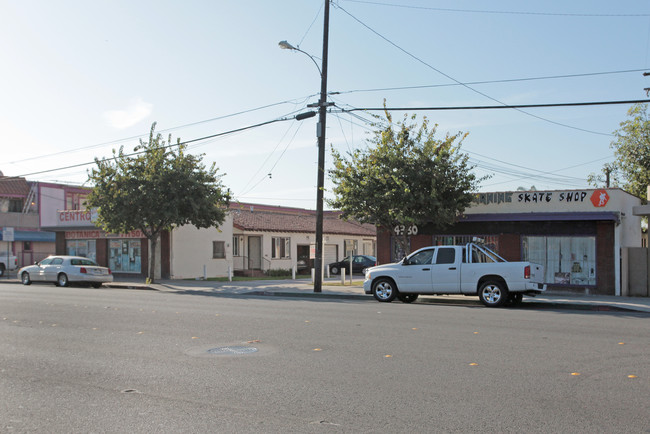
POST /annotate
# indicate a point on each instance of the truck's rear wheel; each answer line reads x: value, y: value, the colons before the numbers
x: 2, y: 270
x: 384, y: 290
x: 493, y: 293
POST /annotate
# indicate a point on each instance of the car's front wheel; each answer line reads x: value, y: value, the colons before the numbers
x: 25, y: 279
x: 62, y: 280
x: 335, y: 270
x: 384, y: 290
x: 493, y: 293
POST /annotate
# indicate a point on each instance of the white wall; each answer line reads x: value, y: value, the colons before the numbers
x: 50, y: 201
x: 191, y: 249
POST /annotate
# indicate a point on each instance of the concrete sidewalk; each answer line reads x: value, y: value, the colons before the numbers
x: 332, y: 288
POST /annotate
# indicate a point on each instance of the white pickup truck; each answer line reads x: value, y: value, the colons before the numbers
x: 471, y: 269
x: 7, y: 263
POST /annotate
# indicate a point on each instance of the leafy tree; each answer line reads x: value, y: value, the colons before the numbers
x: 632, y: 150
x: 406, y: 177
x: 157, y: 187
x: 607, y: 177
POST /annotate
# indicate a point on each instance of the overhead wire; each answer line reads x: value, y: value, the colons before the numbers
x: 473, y: 83
x: 186, y: 142
x: 485, y: 11
x: 167, y: 130
x: 459, y: 82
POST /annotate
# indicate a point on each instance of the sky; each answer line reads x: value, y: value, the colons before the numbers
x: 80, y: 79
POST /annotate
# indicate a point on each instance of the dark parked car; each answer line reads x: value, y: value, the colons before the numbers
x: 359, y: 264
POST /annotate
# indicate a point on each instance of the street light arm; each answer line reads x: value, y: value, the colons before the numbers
x: 287, y: 46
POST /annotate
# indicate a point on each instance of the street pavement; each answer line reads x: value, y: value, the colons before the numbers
x: 333, y: 288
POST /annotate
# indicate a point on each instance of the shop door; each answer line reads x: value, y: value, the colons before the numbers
x: 254, y: 253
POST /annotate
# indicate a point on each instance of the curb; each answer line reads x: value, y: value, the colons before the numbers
x: 598, y: 306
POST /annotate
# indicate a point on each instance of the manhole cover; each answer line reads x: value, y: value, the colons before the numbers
x: 232, y: 350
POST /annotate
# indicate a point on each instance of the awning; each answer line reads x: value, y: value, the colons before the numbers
x: 543, y: 216
x: 33, y: 236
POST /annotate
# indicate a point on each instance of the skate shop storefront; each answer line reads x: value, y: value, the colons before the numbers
x: 576, y: 234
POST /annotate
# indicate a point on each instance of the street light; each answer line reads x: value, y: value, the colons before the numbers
x: 320, y: 133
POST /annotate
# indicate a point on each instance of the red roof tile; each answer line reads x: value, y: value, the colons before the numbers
x: 13, y: 187
x: 253, y: 217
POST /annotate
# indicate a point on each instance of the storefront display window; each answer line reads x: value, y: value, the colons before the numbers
x: 85, y: 248
x: 125, y: 256
x: 566, y: 260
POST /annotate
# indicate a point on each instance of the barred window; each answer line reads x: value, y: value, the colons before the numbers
x: 280, y: 247
x: 218, y: 249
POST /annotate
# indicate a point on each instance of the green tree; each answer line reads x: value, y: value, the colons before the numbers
x: 157, y: 187
x: 632, y: 150
x: 406, y: 177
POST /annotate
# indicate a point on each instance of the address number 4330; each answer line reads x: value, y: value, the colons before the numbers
x: 408, y: 230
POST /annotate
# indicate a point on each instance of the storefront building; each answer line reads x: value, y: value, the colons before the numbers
x: 576, y: 234
x: 62, y: 211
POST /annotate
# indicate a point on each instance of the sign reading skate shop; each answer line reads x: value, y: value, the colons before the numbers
x: 592, y: 198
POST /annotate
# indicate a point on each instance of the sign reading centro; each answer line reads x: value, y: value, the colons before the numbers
x: 598, y: 198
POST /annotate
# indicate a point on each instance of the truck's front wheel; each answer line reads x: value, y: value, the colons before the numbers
x: 2, y: 270
x: 493, y: 293
x: 384, y: 290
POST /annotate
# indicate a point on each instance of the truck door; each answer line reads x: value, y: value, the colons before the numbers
x: 415, y: 275
x: 445, y: 270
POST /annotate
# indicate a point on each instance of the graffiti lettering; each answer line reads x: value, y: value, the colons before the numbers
x: 486, y: 198
x: 573, y: 196
x: 535, y: 197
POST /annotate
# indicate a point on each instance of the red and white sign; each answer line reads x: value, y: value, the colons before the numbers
x: 599, y: 198
x: 76, y: 217
x: 96, y: 234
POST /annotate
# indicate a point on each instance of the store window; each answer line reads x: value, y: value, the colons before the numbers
x: 280, y: 247
x: 15, y: 205
x: 489, y: 241
x: 125, y: 256
x: 75, y: 201
x: 351, y: 247
x: 85, y: 248
x: 566, y: 260
x: 218, y: 249
x: 235, y: 245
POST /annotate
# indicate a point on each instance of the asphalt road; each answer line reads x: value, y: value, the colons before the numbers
x: 113, y: 360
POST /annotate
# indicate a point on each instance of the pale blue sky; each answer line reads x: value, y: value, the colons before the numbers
x: 80, y: 78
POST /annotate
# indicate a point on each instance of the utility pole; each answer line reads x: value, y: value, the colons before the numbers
x: 320, y: 132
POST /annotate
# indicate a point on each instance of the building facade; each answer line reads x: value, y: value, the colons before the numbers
x: 578, y: 235
x: 253, y: 239
x: 19, y: 210
x: 269, y: 237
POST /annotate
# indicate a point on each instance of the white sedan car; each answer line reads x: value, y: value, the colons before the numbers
x: 63, y: 270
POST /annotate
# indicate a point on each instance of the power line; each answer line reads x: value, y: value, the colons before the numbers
x: 113, y: 142
x: 459, y: 82
x: 472, y: 83
x: 142, y: 152
x: 495, y: 107
x: 484, y: 11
